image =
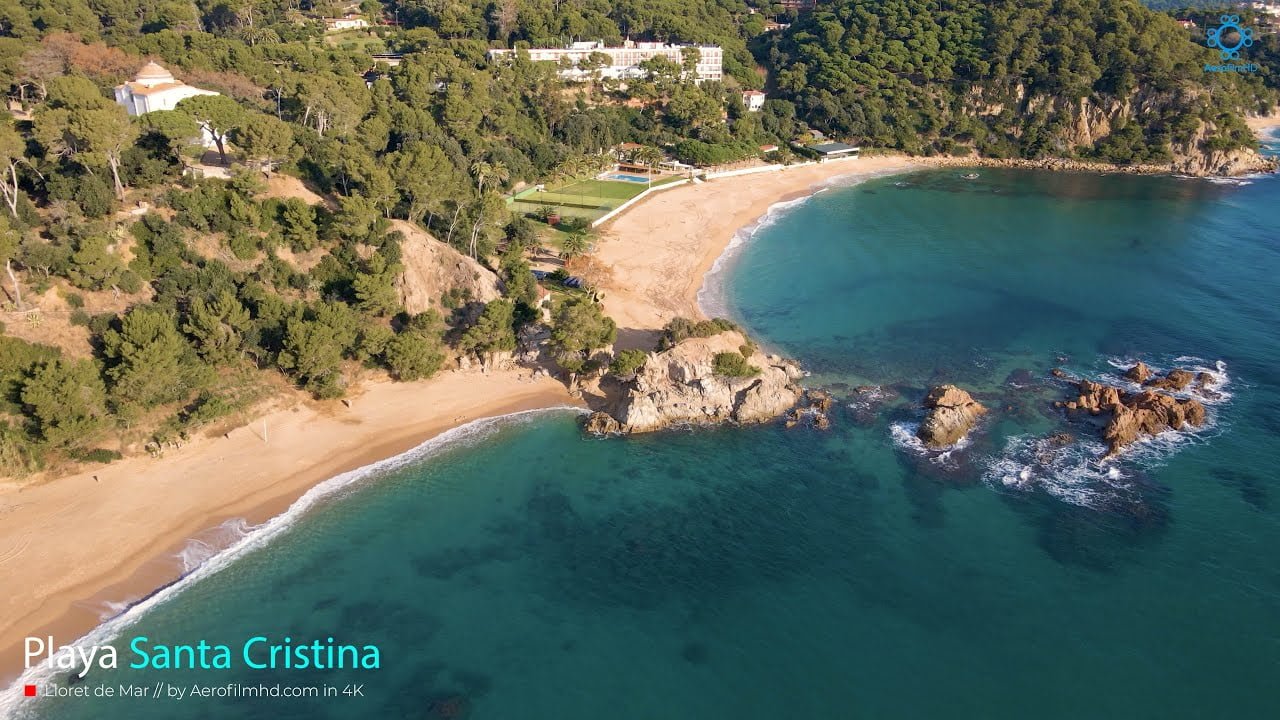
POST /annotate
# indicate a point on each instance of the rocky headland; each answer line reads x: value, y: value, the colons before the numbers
x: 1217, y: 164
x: 687, y: 385
x: 952, y: 413
x: 1130, y: 416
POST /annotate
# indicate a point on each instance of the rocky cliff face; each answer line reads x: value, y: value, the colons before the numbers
x: 1088, y: 121
x: 952, y: 412
x: 680, y: 386
x: 432, y: 268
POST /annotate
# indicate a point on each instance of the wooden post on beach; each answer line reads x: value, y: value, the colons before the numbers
x: 264, y: 430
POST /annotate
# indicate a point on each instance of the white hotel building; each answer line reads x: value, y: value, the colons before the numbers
x: 624, y: 62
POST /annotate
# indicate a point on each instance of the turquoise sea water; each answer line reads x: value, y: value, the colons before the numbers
x: 531, y: 572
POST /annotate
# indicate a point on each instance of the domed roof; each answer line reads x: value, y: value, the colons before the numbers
x: 153, y: 73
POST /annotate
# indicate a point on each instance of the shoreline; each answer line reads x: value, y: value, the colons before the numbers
x: 662, y: 250
x: 662, y: 255
x: 1264, y: 127
x: 153, y: 509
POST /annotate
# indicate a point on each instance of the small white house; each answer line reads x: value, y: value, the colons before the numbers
x: 155, y: 89
x: 347, y: 22
x: 753, y: 100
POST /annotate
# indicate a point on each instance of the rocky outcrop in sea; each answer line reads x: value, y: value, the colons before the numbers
x: 681, y: 386
x: 952, y: 413
x: 1131, y: 416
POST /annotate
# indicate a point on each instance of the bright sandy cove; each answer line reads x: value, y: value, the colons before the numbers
x: 1262, y: 125
x: 70, y: 546
x: 661, y: 250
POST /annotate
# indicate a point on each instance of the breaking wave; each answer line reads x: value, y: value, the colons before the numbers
x: 712, y: 296
x: 904, y: 437
x: 203, y: 560
x: 1070, y: 472
x: 1072, y: 469
x: 1216, y: 394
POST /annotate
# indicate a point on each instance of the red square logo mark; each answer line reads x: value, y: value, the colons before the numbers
x: 29, y: 690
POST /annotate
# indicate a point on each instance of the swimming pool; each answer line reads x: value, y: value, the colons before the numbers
x: 629, y: 178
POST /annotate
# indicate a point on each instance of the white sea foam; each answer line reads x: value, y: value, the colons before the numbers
x: 1074, y: 472
x: 251, y: 538
x: 868, y: 398
x: 199, y: 549
x: 1237, y: 180
x: 1218, y: 393
x: 904, y: 436
x: 111, y: 609
x: 1071, y: 472
x: 712, y: 296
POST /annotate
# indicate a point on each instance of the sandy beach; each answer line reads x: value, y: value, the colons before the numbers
x: 660, y: 250
x: 79, y: 544
x: 112, y: 535
x: 1263, y: 125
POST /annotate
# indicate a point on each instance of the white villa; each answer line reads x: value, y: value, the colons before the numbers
x: 346, y: 22
x: 624, y: 62
x: 753, y: 100
x: 154, y: 89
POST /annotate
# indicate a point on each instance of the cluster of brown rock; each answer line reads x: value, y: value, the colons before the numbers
x: 680, y: 386
x: 814, y: 408
x: 952, y: 412
x: 1135, y: 415
x: 1176, y: 380
x: 1226, y: 163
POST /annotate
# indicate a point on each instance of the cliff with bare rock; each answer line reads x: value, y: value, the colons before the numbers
x: 1008, y: 81
x: 702, y: 381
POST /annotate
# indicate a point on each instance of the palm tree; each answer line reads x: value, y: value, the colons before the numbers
x: 484, y: 171
x: 251, y: 35
x: 499, y: 172
x: 574, y: 244
x: 649, y: 156
x: 569, y: 168
x: 481, y: 170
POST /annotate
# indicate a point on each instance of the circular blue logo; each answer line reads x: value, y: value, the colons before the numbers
x: 1220, y: 37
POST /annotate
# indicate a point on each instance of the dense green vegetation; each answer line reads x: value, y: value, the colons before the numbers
x: 579, y: 327
x: 1010, y: 78
x: 628, y: 362
x: 733, y: 365
x: 153, y: 302
x: 1180, y: 5
x: 680, y: 329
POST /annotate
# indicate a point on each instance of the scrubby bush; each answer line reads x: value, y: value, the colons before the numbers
x: 96, y: 455
x: 680, y: 329
x: 628, y: 362
x: 733, y: 365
